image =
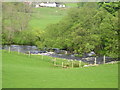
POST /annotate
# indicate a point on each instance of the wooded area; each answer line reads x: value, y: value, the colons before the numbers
x: 88, y: 28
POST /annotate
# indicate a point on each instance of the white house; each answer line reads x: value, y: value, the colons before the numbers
x: 61, y: 5
x: 49, y: 4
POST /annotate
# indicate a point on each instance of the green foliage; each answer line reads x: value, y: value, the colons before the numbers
x: 25, y: 38
x: 111, y: 7
x: 85, y: 29
x: 87, y: 4
x: 15, y: 19
x: 91, y: 27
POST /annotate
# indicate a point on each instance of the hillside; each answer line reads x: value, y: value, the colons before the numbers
x: 21, y: 71
x: 41, y: 17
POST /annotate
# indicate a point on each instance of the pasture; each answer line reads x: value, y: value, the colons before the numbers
x: 41, y: 17
x: 22, y: 71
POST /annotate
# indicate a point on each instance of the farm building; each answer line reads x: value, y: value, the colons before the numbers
x: 49, y: 4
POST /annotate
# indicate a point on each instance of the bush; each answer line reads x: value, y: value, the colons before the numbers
x: 75, y: 64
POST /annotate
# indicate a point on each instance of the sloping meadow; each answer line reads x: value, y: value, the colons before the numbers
x: 24, y: 71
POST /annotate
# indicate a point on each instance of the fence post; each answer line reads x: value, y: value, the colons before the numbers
x: 65, y: 52
x: 104, y: 59
x: 95, y: 61
x: 55, y: 62
x: 62, y: 64
x: 72, y: 63
x: 80, y: 63
x: 9, y: 49
x: 18, y: 51
x: 29, y: 53
x: 42, y: 57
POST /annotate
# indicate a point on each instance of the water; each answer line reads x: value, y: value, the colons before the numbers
x: 21, y: 48
x: 26, y: 48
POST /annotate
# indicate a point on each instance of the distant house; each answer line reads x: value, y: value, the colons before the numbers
x: 61, y: 5
x: 37, y: 5
x: 49, y: 4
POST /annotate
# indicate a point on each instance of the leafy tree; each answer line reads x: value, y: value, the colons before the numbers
x: 85, y: 29
x: 111, y: 7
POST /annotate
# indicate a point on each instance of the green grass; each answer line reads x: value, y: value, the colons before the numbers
x: 21, y: 71
x: 41, y: 17
x: 71, y: 5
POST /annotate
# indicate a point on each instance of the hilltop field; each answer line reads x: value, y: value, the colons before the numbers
x: 22, y: 71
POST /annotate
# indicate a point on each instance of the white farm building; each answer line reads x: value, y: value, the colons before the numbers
x: 49, y: 4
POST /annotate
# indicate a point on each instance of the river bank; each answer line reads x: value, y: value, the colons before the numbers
x: 33, y: 50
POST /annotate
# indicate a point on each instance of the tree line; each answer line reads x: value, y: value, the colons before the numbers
x: 91, y: 27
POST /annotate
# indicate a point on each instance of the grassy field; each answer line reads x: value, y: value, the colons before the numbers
x: 71, y: 5
x: 41, y: 17
x: 21, y: 71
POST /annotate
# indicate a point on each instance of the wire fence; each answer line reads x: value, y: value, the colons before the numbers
x: 71, y: 61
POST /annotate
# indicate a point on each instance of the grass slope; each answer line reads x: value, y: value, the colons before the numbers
x: 21, y: 71
x: 41, y: 17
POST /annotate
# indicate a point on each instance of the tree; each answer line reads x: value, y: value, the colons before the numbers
x: 15, y: 19
x: 85, y: 29
x: 111, y: 7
